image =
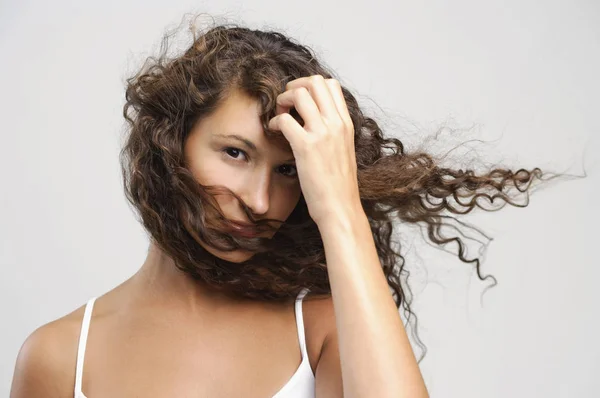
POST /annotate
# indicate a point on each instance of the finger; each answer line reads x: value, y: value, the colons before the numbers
x: 289, y: 127
x: 317, y: 88
x: 301, y: 100
x: 340, y: 102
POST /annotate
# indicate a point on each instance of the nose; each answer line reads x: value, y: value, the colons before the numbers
x: 257, y: 192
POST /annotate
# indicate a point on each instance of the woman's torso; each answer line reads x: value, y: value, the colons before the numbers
x: 249, y: 350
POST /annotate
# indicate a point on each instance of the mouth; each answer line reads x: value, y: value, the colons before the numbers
x: 243, y: 229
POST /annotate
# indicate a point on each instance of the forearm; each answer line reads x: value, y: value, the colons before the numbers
x: 376, y: 356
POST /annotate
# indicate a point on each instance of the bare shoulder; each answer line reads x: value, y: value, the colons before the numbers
x: 45, y: 365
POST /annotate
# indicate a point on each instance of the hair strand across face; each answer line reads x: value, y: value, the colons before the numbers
x: 170, y: 94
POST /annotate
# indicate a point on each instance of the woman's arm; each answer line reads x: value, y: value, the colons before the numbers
x: 375, y: 354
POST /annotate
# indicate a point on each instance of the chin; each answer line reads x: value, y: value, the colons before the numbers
x: 237, y: 256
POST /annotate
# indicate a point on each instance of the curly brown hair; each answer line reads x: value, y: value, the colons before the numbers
x: 170, y: 94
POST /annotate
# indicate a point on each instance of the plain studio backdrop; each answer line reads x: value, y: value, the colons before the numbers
x: 522, y: 75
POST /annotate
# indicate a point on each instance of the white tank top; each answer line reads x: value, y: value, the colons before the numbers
x: 300, y: 385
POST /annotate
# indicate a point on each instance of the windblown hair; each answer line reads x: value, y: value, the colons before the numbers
x: 170, y: 94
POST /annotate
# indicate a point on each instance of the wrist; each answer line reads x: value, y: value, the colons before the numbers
x: 342, y: 219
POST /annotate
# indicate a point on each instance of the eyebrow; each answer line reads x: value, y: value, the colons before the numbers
x: 246, y: 142
x: 243, y: 140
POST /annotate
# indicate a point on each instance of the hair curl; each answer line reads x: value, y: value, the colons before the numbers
x: 170, y: 94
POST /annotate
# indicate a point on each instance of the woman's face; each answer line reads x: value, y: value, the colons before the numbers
x: 229, y: 148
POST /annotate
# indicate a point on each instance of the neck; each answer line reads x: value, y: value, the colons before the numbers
x: 159, y: 281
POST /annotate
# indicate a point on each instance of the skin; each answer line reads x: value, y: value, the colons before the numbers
x: 357, y: 343
x: 370, y: 340
x: 162, y: 334
x: 265, y: 177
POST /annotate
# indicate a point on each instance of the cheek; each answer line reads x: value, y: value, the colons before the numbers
x: 287, y: 199
x: 211, y: 171
x: 206, y: 170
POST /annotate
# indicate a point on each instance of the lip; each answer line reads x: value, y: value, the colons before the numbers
x: 243, y: 229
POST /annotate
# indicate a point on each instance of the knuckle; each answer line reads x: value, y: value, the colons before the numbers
x: 334, y: 82
x: 285, y: 118
x: 300, y: 92
x: 315, y: 80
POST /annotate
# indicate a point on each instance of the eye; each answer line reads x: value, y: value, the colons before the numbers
x: 288, y: 170
x: 234, y: 152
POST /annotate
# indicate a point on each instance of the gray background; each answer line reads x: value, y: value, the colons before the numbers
x: 521, y: 74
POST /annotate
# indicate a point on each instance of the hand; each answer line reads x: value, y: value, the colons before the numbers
x: 323, y: 147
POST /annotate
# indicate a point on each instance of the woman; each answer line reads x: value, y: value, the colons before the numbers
x: 268, y: 197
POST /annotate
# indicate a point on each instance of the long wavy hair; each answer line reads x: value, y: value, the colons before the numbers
x: 170, y: 93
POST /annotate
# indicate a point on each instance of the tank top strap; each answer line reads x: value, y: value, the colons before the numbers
x: 300, y: 321
x: 83, y: 335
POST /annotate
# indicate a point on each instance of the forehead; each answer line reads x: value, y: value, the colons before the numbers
x: 238, y: 108
x: 239, y: 113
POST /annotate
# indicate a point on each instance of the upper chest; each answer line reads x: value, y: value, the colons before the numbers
x: 250, y: 353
